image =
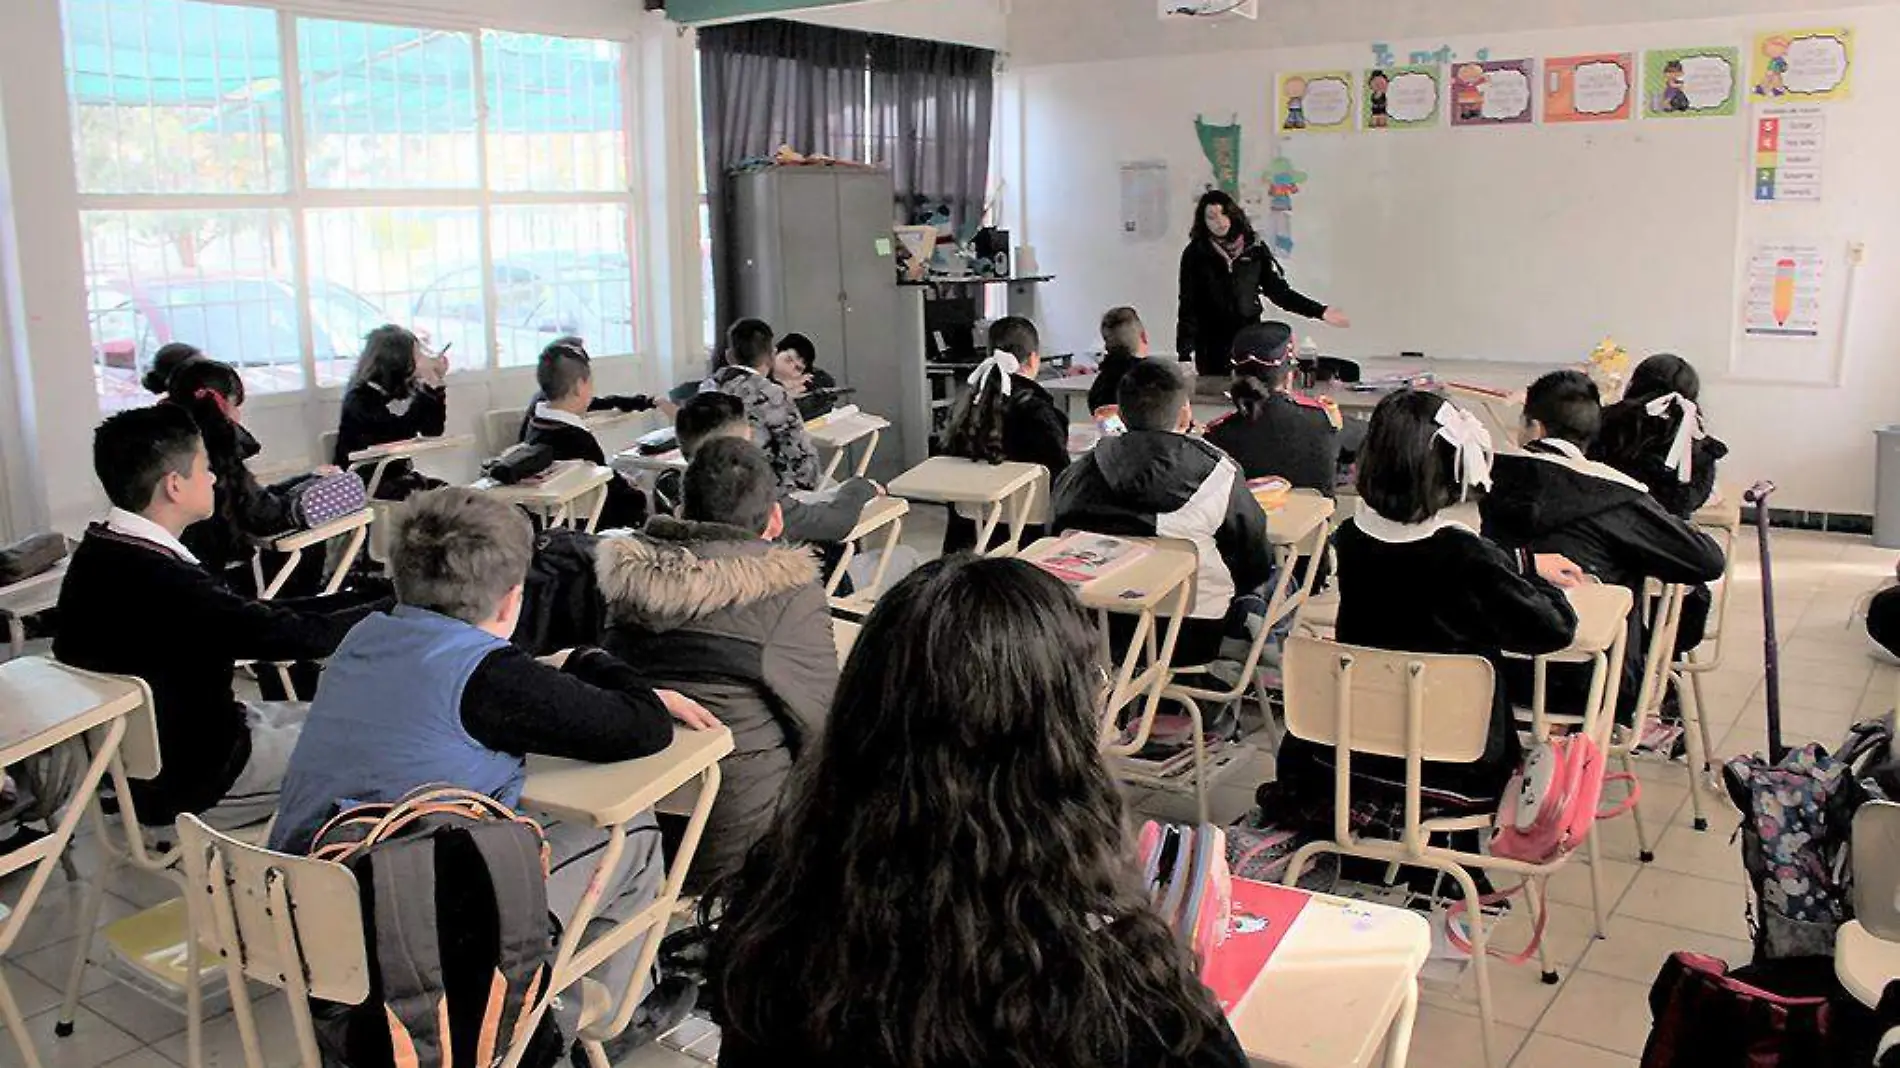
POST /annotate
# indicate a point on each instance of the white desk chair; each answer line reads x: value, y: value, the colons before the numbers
x: 880, y: 513
x: 500, y: 428
x: 988, y: 489
x: 1720, y: 519
x: 1664, y: 605
x: 1867, y: 949
x: 26, y: 597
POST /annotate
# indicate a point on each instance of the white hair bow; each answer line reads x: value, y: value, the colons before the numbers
x: 1682, y: 449
x: 1001, y: 361
x: 1471, y: 443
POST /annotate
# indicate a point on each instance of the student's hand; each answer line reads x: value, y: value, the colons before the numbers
x: 558, y: 660
x: 1559, y: 570
x: 1335, y: 317
x: 687, y: 710
x: 667, y: 408
x: 327, y: 470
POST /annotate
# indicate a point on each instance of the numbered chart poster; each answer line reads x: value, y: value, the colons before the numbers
x: 1690, y: 82
x: 1492, y: 93
x: 1802, y: 65
x: 1402, y: 98
x: 1315, y: 102
x: 1589, y: 88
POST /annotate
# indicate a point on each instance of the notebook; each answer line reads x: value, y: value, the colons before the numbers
x: 1080, y: 558
x: 1263, y: 915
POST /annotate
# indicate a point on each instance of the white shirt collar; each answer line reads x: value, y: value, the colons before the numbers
x: 1379, y: 528
x: 547, y: 411
x: 133, y: 525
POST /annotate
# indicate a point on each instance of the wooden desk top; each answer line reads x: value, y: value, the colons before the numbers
x: 608, y: 795
x: 573, y: 479
x: 845, y: 426
x: 1080, y: 383
x: 336, y: 528
x: 1140, y: 586
x: 879, y: 512
x: 1723, y: 512
x: 411, y: 447
x: 634, y: 460
x: 845, y: 634
x: 1602, y: 614
x: 1295, y: 518
x: 950, y: 480
x: 46, y: 703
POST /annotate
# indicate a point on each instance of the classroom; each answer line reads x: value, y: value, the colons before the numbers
x: 928, y: 533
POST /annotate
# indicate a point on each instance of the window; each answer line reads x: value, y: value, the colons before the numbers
x: 475, y: 186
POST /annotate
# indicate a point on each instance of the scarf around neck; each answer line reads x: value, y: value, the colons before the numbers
x: 1231, y: 246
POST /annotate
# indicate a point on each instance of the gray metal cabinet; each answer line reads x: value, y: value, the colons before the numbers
x: 813, y: 249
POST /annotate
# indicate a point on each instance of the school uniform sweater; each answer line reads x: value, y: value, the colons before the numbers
x: 131, y: 607
x: 1108, y: 378
x: 247, y: 512
x: 569, y: 438
x: 371, y: 417
x: 1436, y: 587
x: 1291, y: 436
x: 1035, y: 431
x: 637, y: 402
x: 1677, y: 497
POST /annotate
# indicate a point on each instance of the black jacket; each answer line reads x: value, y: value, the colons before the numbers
x: 1035, y: 427
x: 1147, y: 484
x: 638, y: 402
x: 1108, y: 378
x: 626, y: 507
x: 1217, y: 299
x: 247, y: 512
x: 1291, y: 437
x: 129, y: 607
x: 370, y: 418
x: 1676, y: 496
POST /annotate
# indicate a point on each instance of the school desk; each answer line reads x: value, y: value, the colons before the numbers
x: 554, y: 497
x: 845, y: 634
x: 991, y: 487
x: 384, y: 455
x: 608, y: 797
x: 841, y: 429
x: 354, y: 526
x: 1723, y: 512
x: 27, y: 597
x: 644, y: 471
x: 47, y: 704
x: 1341, y: 985
x: 1864, y: 962
x: 880, y: 513
x: 1069, y: 387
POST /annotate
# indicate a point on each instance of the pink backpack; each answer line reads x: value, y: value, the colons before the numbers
x: 1547, y: 811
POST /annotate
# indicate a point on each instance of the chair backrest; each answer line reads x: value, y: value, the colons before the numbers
x: 1876, y: 856
x: 326, y: 446
x: 499, y: 428
x: 1370, y: 697
x: 277, y: 916
x: 138, y: 752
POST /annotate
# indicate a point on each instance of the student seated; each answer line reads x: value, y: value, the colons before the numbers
x: 1006, y: 417
x: 395, y: 393
x: 1156, y: 481
x: 1413, y: 579
x: 1550, y: 499
x: 955, y: 852
x: 824, y: 518
x: 1275, y: 430
x: 433, y: 692
x: 1124, y: 340
x: 566, y: 378
x: 747, y: 376
x: 168, y: 359
x: 795, y: 366
x: 246, y: 513
x: 708, y: 604
x: 137, y: 602
x: 576, y: 348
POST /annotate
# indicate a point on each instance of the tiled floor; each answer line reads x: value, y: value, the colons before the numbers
x: 1597, y: 1017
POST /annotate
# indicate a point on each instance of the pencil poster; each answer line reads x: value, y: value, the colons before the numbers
x: 1784, y: 291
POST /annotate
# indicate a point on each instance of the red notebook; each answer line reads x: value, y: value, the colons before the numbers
x: 1263, y: 914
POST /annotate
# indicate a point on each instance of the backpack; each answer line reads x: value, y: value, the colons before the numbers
x: 1184, y: 868
x: 30, y: 556
x: 1549, y: 807
x: 561, y: 607
x: 518, y: 463
x: 1797, y: 825
x: 461, y: 943
x: 1707, y: 1017
x: 321, y: 499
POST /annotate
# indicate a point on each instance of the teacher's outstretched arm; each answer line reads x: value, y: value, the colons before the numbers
x: 1275, y: 287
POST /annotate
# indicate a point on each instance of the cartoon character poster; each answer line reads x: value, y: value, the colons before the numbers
x: 1589, y: 88
x: 1315, y: 102
x: 1690, y: 82
x: 1402, y: 97
x: 1802, y: 64
x: 1492, y: 92
x: 1283, y: 183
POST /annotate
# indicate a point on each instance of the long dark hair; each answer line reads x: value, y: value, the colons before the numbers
x: 165, y: 362
x: 949, y: 880
x: 388, y: 361
x: 1407, y: 473
x: 976, y: 425
x: 212, y: 392
x: 1630, y: 434
x: 1230, y: 208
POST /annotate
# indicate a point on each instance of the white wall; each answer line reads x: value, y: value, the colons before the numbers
x: 1068, y: 125
x: 972, y: 22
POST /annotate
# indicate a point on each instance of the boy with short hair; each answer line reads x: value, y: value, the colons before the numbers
x: 747, y: 375
x: 1155, y: 481
x: 136, y: 602
x: 1124, y: 340
x: 566, y: 378
x: 637, y: 402
x: 708, y: 602
x: 811, y: 518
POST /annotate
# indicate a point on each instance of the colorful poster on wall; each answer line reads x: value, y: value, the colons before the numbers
x: 1283, y: 184
x: 1589, y: 88
x: 1493, y: 92
x: 1802, y: 64
x: 1789, y: 142
x: 1690, y: 82
x: 1315, y: 102
x: 1783, y: 298
x: 1402, y: 98
x: 1221, y: 146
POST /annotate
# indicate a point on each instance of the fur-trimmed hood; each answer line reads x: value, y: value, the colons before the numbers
x: 677, y: 573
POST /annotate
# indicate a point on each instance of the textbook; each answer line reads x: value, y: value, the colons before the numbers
x: 1263, y: 915
x: 1080, y: 558
x: 1271, y: 491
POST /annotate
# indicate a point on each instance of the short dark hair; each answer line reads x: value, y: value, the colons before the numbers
x: 1407, y: 473
x: 166, y: 361
x: 731, y: 482
x: 1015, y: 335
x: 562, y: 369
x: 1567, y: 404
x: 134, y: 450
x: 457, y: 552
x: 749, y: 343
x: 1151, y: 395
x: 706, y: 416
x: 800, y: 344
x: 1122, y: 329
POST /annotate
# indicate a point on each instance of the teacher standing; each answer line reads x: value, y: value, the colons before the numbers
x: 1225, y: 271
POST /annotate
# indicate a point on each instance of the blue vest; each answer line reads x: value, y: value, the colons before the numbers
x: 388, y: 718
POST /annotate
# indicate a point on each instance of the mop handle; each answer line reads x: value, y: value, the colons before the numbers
x: 1757, y: 495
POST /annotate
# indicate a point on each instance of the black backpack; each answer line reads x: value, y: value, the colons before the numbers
x: 560, y: 602
x: 461, y: 943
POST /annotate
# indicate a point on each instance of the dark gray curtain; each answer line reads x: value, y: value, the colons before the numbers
x: 930, y: 123
x: 770, y: 83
